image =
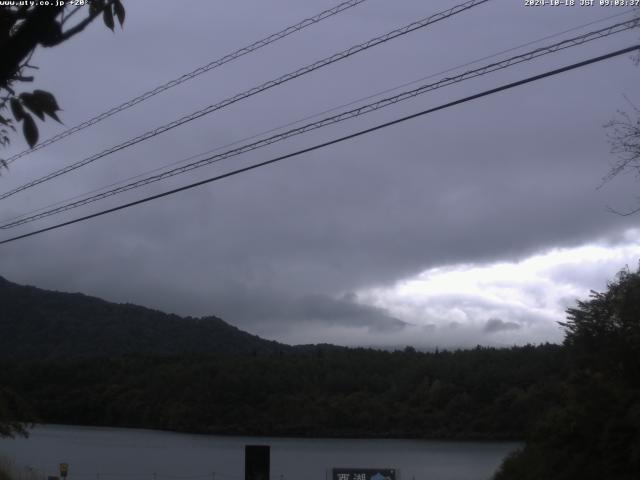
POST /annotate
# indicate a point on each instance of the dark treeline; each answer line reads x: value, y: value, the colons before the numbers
x: 592, y: 430
x: 48, y: 325
x: 481, y: 393
x: 79, y: 360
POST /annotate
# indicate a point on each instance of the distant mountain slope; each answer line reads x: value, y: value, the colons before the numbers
x: 38, y: 324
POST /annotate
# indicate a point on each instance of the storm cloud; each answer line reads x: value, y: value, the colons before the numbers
x: 496, y: 325
x: 311, y: 249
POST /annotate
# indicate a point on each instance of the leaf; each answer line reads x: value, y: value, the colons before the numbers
x: 47, y: 103
x: 48, y: 100
x: 9, y: 123
x: 54, y: 116
x: 30, y: 101
x: 30, y: 130
x: 118, y: 8
x: 95, y: 7
x: 16, y: 109
x: 107, y: 16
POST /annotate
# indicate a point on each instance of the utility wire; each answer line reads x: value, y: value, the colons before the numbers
x: 191, y: 75
x: 383, y: 103
x: 255, y: 90
x: 334, y: 141
x: 310, y: 117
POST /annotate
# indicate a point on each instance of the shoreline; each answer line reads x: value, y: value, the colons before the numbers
x: 465, y: 439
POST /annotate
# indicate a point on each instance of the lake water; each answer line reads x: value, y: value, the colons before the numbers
x: 126, y: 454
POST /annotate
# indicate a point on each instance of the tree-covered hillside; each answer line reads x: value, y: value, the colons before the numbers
x: 480, y: 393
x: 41, y: 324
x: 79, y: 359
x: 577, y: 404
x: 592, y: 431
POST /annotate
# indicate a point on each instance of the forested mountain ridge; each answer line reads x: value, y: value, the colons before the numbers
x: 37, y: 324
x: 81, y: 360
x: 577, y: 404
x: 484, y: 393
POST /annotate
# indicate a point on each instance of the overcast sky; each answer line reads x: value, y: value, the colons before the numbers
x: 479, y: 224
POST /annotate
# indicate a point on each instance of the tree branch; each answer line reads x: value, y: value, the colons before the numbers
x: 33, y: 31
x: 78, y: 27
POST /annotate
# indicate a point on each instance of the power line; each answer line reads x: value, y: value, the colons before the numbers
x: 365, y: 109
x: 337, y: 118
x: 255, y: 90
x: 315, y: 115
x: 193, y: 74
x: 332, y: 142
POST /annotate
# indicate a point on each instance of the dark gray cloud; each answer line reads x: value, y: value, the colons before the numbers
x: 275, y: 250
x: 344, y: 312
x: 494, y: 325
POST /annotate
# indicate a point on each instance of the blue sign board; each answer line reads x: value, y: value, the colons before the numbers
x: 364, y: 474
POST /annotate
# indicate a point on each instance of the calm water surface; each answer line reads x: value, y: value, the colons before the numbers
x: 125, y: 454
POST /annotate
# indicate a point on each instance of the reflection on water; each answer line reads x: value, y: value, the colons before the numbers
x: 125, y: 454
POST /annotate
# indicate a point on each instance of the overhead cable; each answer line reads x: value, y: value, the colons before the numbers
x: 253, y: 91
x: 310, y: 117
x: 365, y: 109
x: 191, y: 75
x: 331, y: 142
